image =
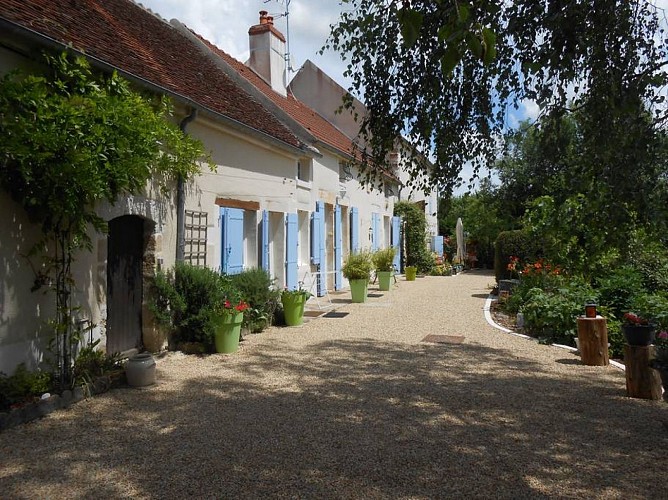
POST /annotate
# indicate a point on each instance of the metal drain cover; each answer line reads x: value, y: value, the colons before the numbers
x: 334, y: 314
x: 313, y: 314
x: 444, y: 339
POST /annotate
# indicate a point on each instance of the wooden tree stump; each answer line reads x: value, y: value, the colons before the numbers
x: 642, y: 381
x: 593, y: 341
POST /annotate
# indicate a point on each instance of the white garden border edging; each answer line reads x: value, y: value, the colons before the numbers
x: 488, y: 316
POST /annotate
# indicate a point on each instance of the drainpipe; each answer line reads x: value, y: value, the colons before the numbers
x: 181, y: 199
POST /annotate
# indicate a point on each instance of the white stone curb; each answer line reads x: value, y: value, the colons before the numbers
x: 488, y: 316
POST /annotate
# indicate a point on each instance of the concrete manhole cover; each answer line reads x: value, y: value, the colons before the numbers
x: 444, y: 339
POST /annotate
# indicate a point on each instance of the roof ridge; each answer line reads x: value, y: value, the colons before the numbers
x: 148, y: 9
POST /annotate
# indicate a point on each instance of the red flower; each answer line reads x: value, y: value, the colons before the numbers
x: 634, y: 319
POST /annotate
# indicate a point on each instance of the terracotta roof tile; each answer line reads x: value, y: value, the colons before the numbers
x: 132, y: 39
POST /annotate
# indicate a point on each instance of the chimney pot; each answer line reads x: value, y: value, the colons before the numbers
x: 263, y: 17
x: 270, y: 20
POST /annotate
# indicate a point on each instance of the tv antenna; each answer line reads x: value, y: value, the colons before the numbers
x: 286, y: 15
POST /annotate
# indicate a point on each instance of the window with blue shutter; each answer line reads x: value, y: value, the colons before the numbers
x: 265, y: 241
x: 354, y: 230
x: 396, y: 241
x: 232, y: 230
x: 437, y: 244
x: 316, y: 222
x: 291, y: 251
x: 338, y: 248
x: 375, y: 231
x: 322, y: 283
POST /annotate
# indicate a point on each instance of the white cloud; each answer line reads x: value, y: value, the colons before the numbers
x: 226, y: 22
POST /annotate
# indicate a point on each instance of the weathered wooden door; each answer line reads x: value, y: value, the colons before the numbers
x: 125, y: 253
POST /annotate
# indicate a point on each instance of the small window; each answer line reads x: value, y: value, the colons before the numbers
x: 304, y: 167
x: 195, y: 237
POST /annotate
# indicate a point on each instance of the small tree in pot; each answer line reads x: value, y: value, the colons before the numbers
x: 357, y: 270
x: 383, y: 260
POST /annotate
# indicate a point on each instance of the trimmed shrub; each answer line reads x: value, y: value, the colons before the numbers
x: 257, y: 289
x: 184, y: 300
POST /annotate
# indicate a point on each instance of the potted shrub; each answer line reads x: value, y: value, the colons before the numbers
x: 293, y: 305
x: 411, y: 273
x: 357, y: 270
x: 227, y: 319
x: 383, y: 261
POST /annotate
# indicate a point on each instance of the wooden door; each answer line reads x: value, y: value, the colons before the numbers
x: 124, y: 283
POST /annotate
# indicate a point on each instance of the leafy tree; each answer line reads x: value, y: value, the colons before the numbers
x: 482, y: 217
x: 446, y: 74
x: 69, y: 139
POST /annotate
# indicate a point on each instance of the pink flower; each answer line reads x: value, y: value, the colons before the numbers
x: 663, y: 335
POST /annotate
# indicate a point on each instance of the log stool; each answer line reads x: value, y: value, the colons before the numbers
x: 593, y: 341
x: 642, y: 381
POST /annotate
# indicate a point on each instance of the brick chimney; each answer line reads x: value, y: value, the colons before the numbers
x: 267, y: 52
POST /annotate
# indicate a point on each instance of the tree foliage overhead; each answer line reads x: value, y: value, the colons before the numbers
x: 447, y: 72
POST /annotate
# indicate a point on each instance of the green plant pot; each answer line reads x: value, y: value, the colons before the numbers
x: 358, y: 290
x: 293, y: 309
x: 384, y: 278
x: 411, y: 273
x: 228, y: 330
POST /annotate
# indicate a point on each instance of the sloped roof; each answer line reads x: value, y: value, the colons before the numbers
x: 313, y: 122
x: 126, y: 36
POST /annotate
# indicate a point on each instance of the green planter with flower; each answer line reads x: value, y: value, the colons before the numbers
x: 357, y: 270
x: 383, y: 261
x: 294, y: 302
x: 227, y: 322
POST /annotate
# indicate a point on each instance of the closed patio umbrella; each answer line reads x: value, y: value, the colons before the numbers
x: 459, y: 233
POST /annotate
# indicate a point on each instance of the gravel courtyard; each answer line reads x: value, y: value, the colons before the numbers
x: 357, y: 407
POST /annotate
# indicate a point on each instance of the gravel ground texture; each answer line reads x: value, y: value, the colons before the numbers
x: 357, y: 407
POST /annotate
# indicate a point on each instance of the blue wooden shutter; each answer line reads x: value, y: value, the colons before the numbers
x: 375, y: 231
x: 232, y: 230
x: 322, y: 283
x: 396, y: 241
x: 437, y: 244
x: 354, y: 230
x: 316, y: 221
x: 338, y: 248
x: 265, y: 240
x: 291, y: 251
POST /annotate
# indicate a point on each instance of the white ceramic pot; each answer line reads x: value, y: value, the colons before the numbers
x: 140, y: 370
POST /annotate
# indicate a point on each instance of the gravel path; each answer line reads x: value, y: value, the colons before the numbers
x: 357, y: 407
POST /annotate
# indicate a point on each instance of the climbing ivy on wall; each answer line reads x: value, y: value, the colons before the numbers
x: 69, y: 139
x: 415, y: 235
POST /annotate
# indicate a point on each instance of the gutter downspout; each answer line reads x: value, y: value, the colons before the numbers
x: 181, y: 199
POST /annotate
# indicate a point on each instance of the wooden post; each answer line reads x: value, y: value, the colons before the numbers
x: 642, y: 381
x: 593, y: 340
